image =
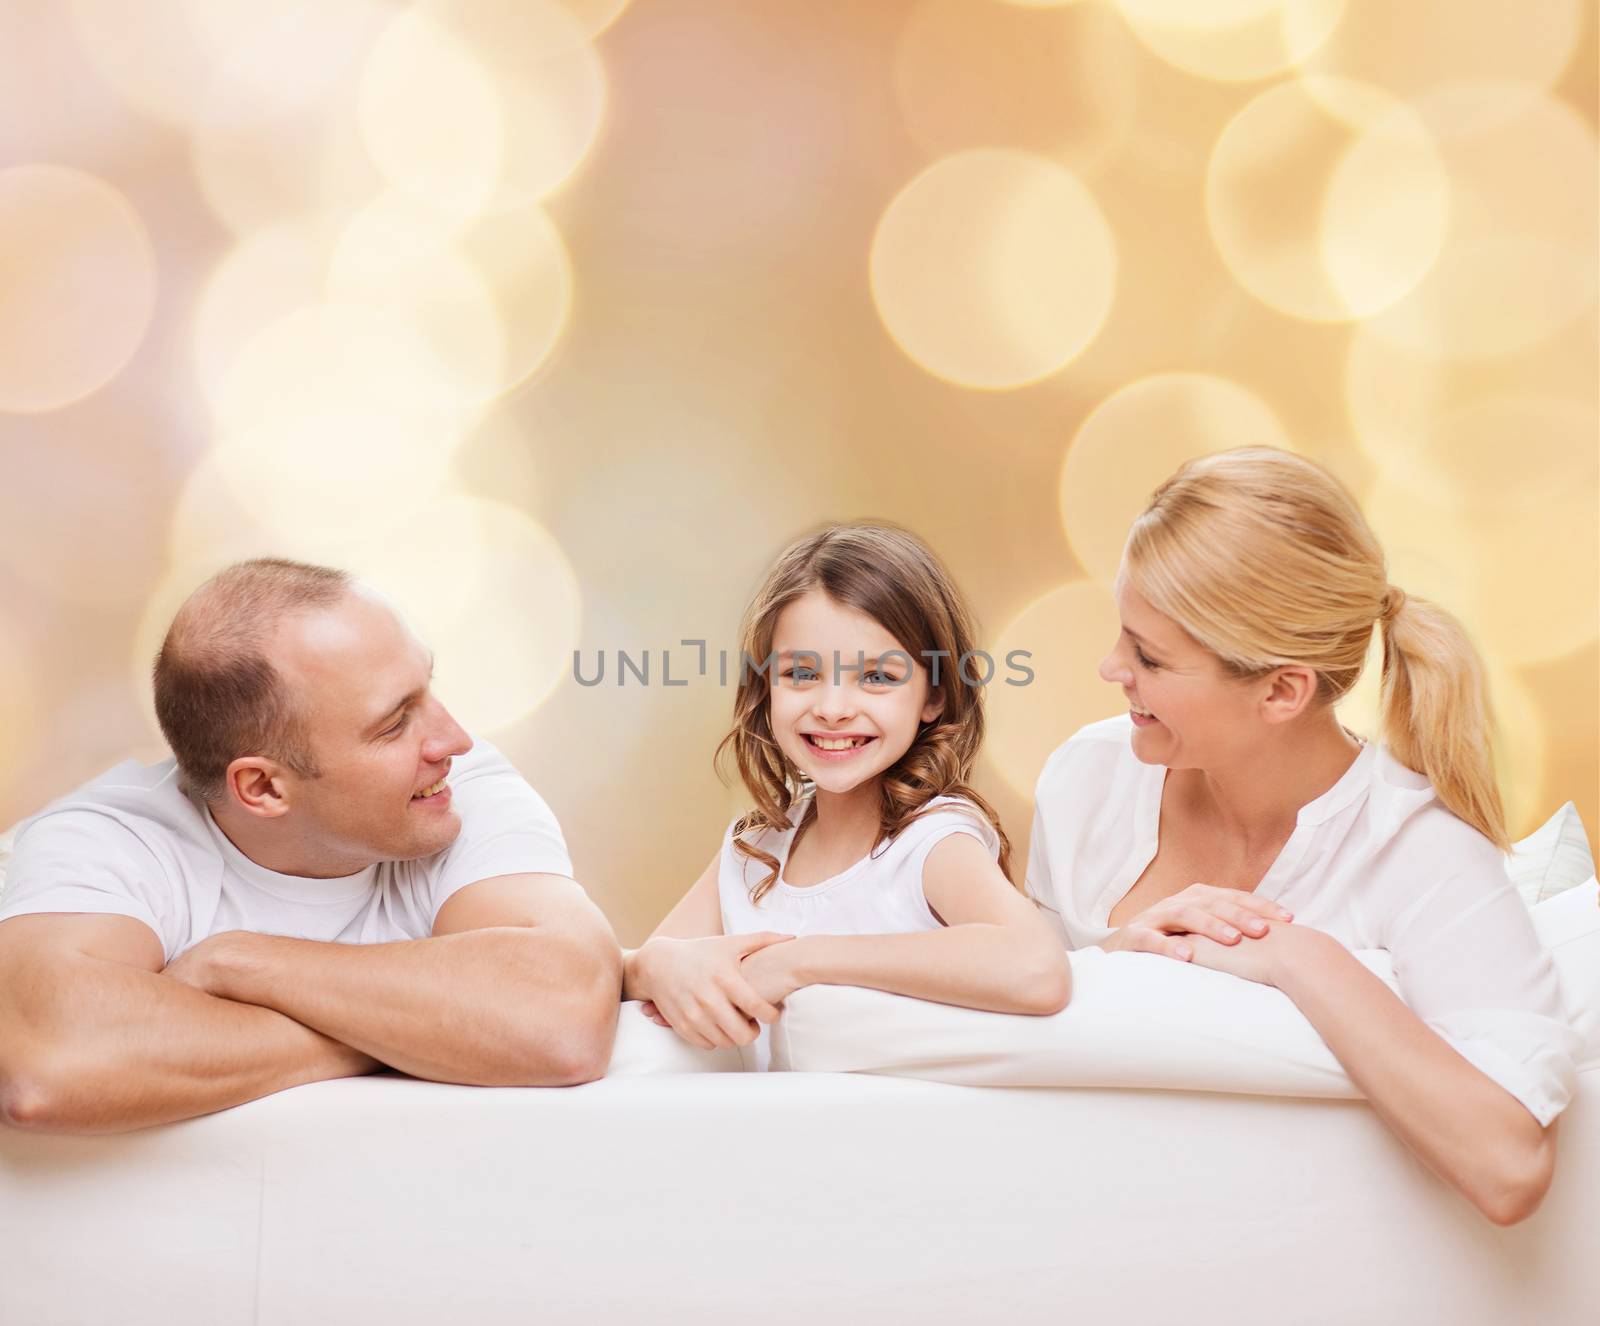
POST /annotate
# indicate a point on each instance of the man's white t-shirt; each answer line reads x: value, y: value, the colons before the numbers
x: 1377, y: 861
x: 130, y: 843
x: 881, y: 894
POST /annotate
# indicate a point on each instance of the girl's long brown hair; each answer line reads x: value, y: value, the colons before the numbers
x: 890, y: 575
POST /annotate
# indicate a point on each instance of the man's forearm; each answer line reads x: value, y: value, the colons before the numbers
x: 107, y: 1048
x: 501, y: 1006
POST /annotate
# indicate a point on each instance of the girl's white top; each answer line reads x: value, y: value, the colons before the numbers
x: 880, y: 894
x: 1376, y: 861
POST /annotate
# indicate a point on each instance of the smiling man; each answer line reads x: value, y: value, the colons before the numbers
x: 329, y: 877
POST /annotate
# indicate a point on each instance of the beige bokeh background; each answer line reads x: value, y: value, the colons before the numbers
x: 559, y: 319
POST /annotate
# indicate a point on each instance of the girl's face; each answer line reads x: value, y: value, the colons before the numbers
x: 844, y: 699
x: 1187, y: 713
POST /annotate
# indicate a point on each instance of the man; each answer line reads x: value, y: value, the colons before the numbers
x: 327, y: 878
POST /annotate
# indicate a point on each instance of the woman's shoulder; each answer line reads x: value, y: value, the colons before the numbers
x: 1404, y: 813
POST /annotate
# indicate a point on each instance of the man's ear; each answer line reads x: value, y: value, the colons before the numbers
x: 258, y: 786
x: 1289, y: 692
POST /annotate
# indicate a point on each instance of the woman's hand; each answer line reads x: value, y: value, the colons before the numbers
x: 698, y: 988
x: 1263, y: 959
x: 1222, y: 915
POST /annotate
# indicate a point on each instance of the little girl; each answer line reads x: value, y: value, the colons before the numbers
x: 868, y: 859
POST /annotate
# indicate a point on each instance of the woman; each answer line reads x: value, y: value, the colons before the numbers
x: 1230, y: 820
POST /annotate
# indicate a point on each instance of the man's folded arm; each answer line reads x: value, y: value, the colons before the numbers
x: 94, y: 1040
x: 519, y: 985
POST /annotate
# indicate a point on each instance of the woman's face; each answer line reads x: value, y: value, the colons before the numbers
x: 845, y: 701
x: 1187, y: 713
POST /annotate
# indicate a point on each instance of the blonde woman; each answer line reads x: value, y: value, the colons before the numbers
x: 1230, y: 820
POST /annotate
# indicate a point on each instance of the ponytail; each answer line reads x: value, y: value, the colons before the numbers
x: 1436, y: 714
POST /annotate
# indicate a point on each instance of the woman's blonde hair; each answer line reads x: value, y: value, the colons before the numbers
x: 1266, y: 560
x: 890, y: 575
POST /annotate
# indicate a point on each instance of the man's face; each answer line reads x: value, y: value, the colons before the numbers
x: 360, y: 681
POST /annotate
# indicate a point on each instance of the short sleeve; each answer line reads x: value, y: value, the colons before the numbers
x: 1467, y: 961
x: 88, y: 862
x: 506, y: 828
x: 929, y: 832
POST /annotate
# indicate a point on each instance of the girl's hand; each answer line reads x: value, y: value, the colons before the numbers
x: 1222, y: 915
x: 649, y: 1009
x: 697, y: 988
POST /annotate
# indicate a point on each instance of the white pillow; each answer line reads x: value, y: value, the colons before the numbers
x: 1553, y: 858
x: 1135, y: 1020
x: 1569, y: 926
x: 643, y: 1047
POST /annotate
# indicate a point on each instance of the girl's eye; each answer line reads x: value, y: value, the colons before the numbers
x: 878, y: 677
x: 1143, y: 661
x: 801, y: 673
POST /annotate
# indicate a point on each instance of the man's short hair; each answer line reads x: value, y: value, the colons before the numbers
x: 217, y: 694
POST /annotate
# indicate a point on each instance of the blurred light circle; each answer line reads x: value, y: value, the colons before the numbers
x: 1232, y: 40
x: 1067, y: 631
x: 1395, y: 396
x: 1520, y: 260
x: 266, y: 276
x: 431, y: 117
x: 339, y: 417
x: 213, y: 524
x: 490, y: 300
x: 352, y: 470
x: 1423, y: 45
x: 1323, y: 216
x: 1135, y: 439
x: 197, y: 62
x: 160, y: 54
x: 546, y: 78
x: 993, y: 268
x: 492, y: 592
x: 309, y: 161
x: 77, y: 286
x: 525, y: 265
x: 593, y: 16
x: 334, y: 358
x: 395, y: 264
x: 1525, y: 475
x: 1066, y: 84
x: 479, y: 104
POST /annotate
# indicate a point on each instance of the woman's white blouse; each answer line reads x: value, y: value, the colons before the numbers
x: 1376, y: 861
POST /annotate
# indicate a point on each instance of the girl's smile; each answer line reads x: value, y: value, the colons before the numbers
x: 836, y: 746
